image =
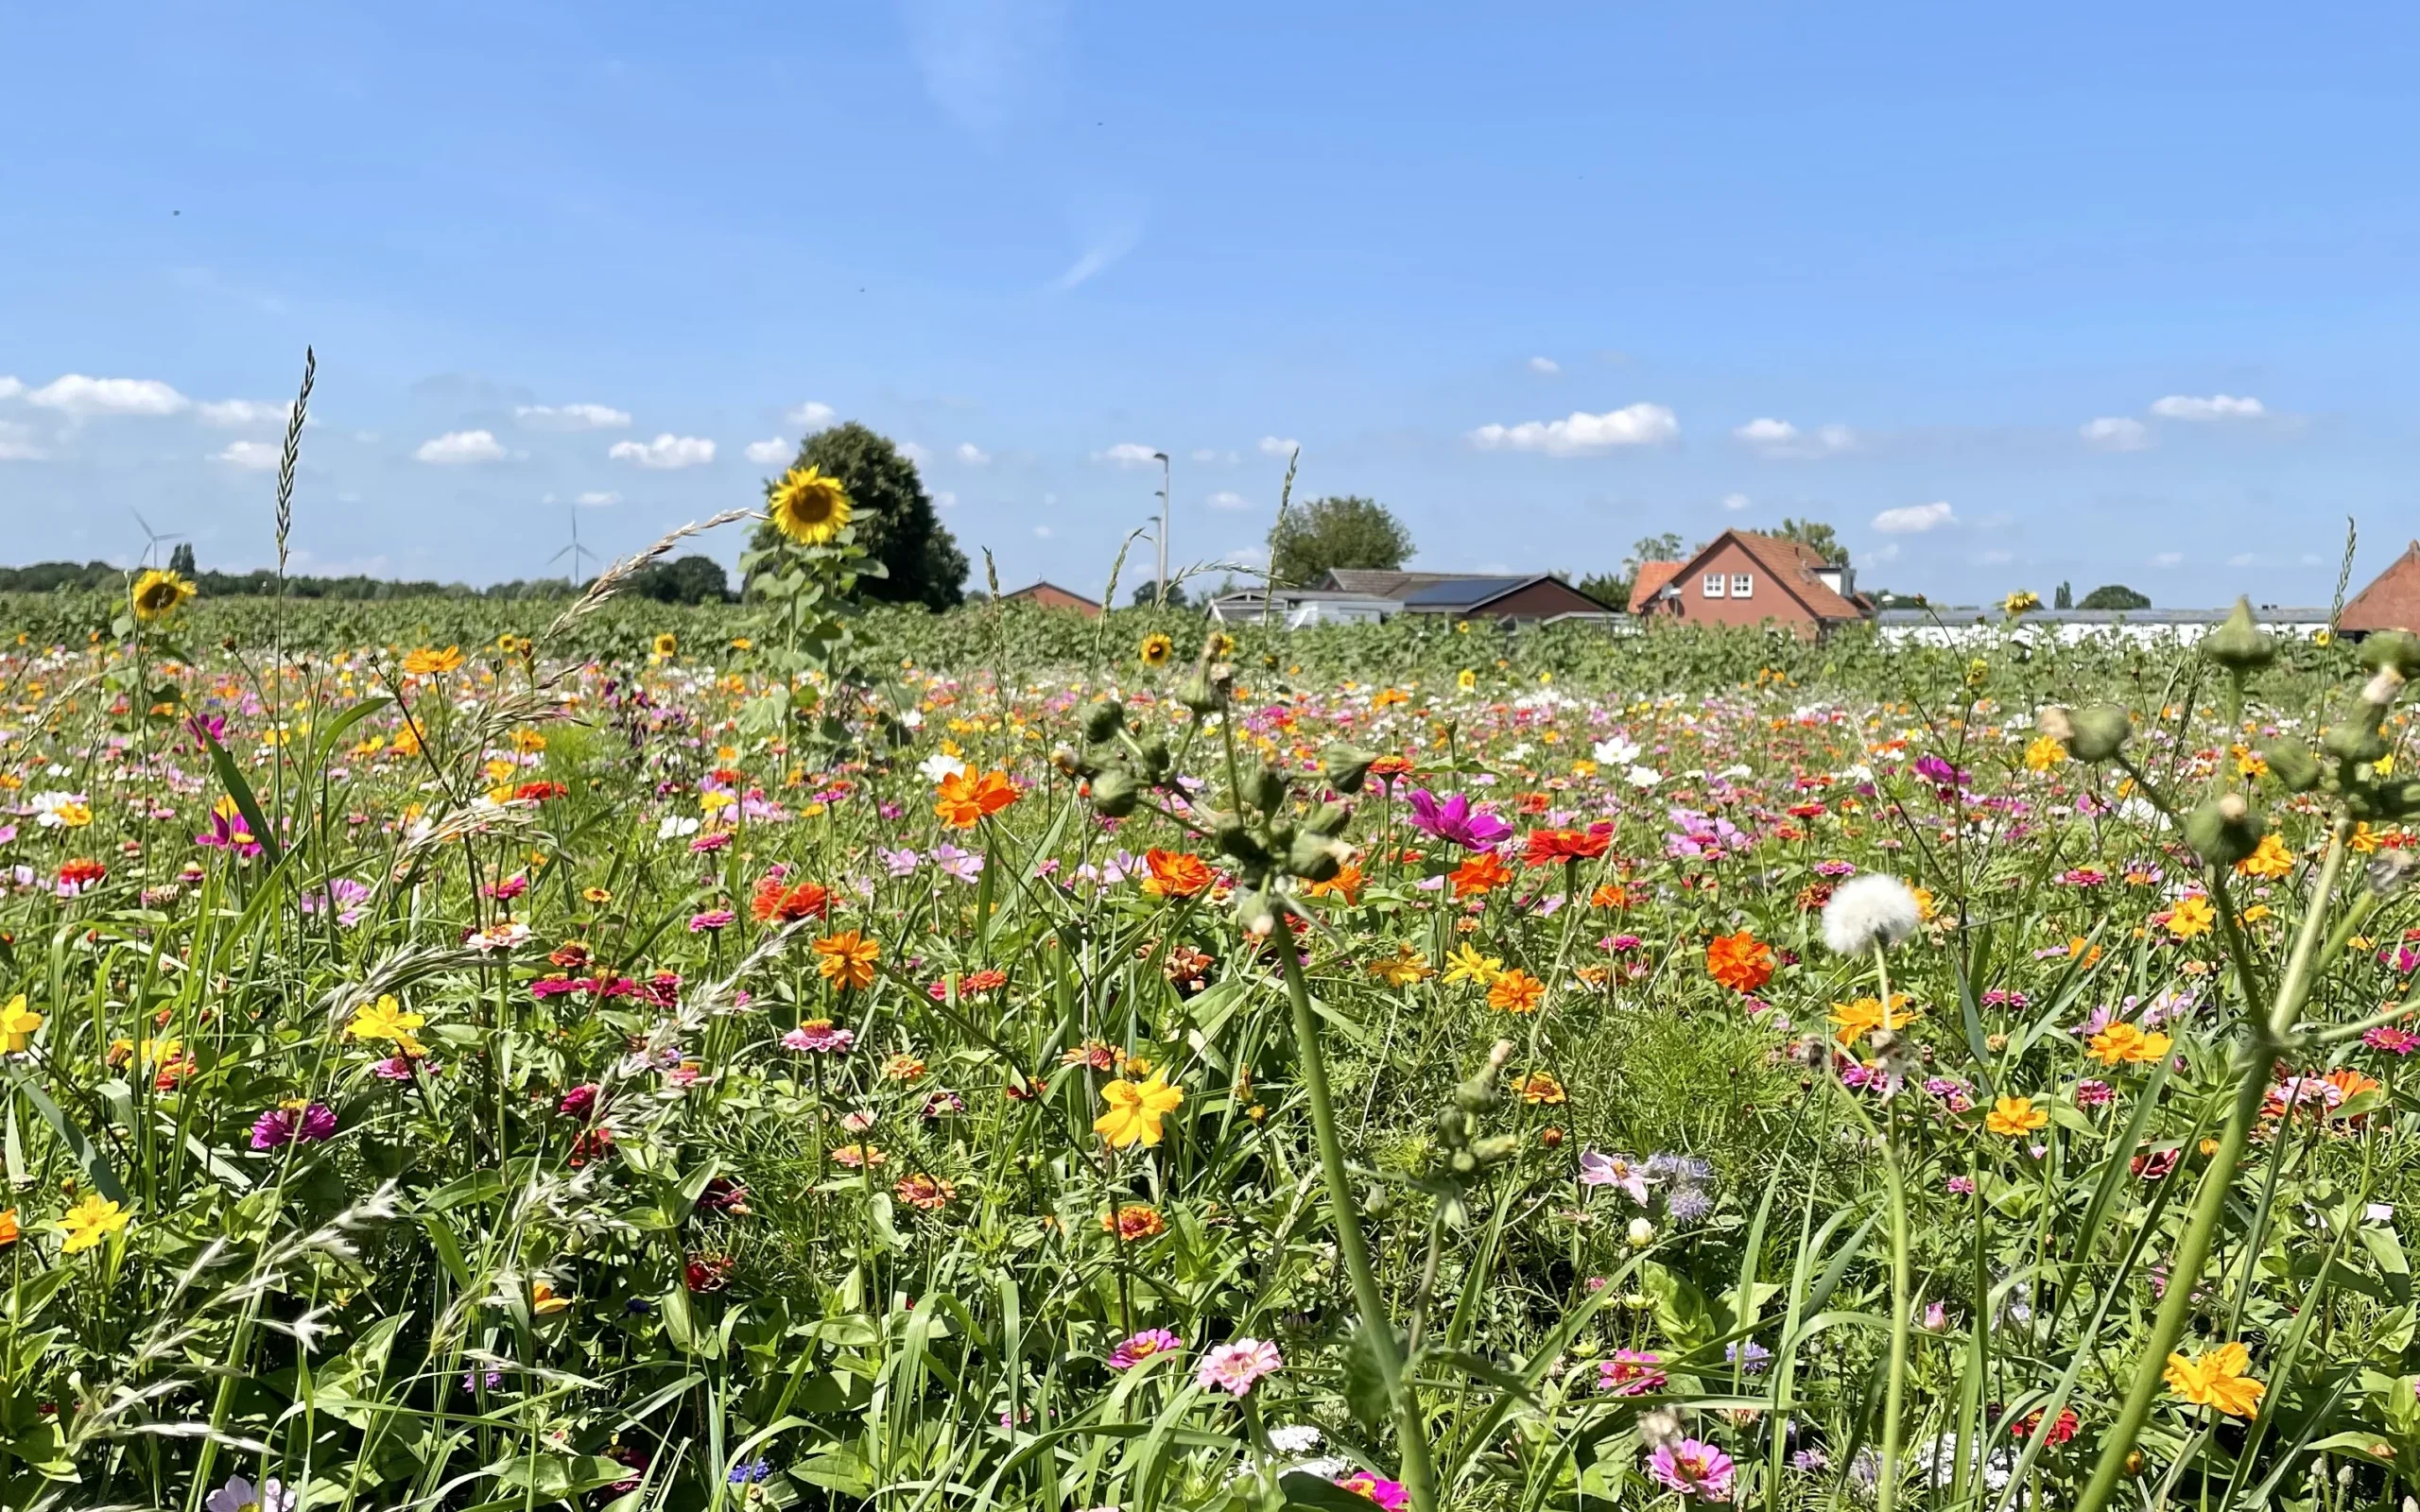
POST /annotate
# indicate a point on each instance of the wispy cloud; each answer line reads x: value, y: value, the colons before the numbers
x: 1915, y: 519
x: 80, y: 396
x: 2116, y: 433
x: 572, y: 417
x: 1779, y: 438
x: 812, y: 416
x: 2216, y: 406
x: 1128, y: 453
x: 987, y: 64
x: 769, y: 451
x: 1097, y: 258
x: 252, y: 456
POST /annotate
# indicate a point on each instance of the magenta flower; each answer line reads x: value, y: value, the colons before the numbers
x: 1630, y: 1372
x: 2393, y: 1041
x: 712, y: 918
x: 1235, y: 1368
x: 817, y: 1037
x: 1456, y: 820
x: 1694, y: 1468
x: 228, y: 833
x: 1388, y: 1494
x: 281, y: 1126
x: 1144, y: 1345
x: 579, y: 1103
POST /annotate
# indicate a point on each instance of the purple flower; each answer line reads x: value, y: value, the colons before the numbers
x: 713, y: 918
x: 1601, y: 1170
x: 281, y: 1126
x: 899, y: 863
x: 966, y: 865
x: 228, y: 831
x: 344, y: 895
x: 1939, y: 773
x: 1142, y: 1347
x: 1694, y: 1468
x: 1455, y: 821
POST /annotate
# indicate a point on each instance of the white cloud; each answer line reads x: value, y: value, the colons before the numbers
x: 1583, y: 433
x: 664, y: 453
x: 915, y: 454
x: 1208, y: 455
x: 1779, y: 438
x: 1914, y: 519
x: 769, y: 451
x: 2116, y: 433
x: 572, y: 417
x: 252, y: 456
x: 812, y: 416
x: 598, y: 499
x: 1888, y: 551
x: 2217, y: 406
x: 82, y: 396
x: 1544, y: 364
x: 1995, y: 558
x: 234, y: 414
x: 1279, y: 446
x: 944, y: 499
x: 1128, y: 453
x: 1734, y: 500
x: 2168, y: 559
x: 16, y: 444
x: 2244, y: 559
x: 1228, y: 499
x: 972, y: 454
x: 1045, y: 532
x: 1099, y: 258
x: 462, y: 446
x: 9, y: 387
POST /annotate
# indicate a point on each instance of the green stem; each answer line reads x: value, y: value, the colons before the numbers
x: 1902, y: 1299
x: 1419, y: 1475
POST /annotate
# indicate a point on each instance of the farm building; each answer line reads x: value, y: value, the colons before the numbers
x: 1352, y: 597
x: 1740, y: 577
x: 1050, y: 595
x: 2392, y: 602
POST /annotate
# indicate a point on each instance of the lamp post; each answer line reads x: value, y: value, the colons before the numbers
x: 1162, y: 457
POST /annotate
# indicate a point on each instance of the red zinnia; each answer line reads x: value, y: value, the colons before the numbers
x: 775, y: 902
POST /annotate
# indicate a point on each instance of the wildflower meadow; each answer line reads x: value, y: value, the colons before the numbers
x: 758, y: 1058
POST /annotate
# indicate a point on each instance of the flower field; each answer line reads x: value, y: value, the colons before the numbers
x: 619, y: 1064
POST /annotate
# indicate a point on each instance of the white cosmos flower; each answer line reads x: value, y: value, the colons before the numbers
x: 939, y: 766
x: 1615, y: 751
x: 674, y: 827
x: 1642, y: 778
x: 1867, y: 910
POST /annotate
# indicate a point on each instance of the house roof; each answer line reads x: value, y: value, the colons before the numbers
x: 1652, y: 579
x: 1793, y: 564
x: 1032, y: 589
x: 2392, y: 602
x: 1387, y: 583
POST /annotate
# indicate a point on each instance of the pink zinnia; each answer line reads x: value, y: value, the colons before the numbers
x: 1143, y: 1346
x: 818, y: 1037
x: 1692, y: 1468
x: 578, y: 1103
x: 710, y: 918
x: 1630, y: 1372
x: 1235, y: 1368
x: 2393, y: 1041
x: 284, y: 1126
x: 1387, y: 1493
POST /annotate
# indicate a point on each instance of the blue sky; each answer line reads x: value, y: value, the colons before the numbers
x: 2054, y: 292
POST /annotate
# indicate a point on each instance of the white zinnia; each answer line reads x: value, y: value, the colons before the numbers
x: 1644, y: 778
x: 1867, y: 910
x: 1616, y: 751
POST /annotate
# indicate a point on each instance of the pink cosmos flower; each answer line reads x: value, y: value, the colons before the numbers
x: 1601, y: 1170
x: 1142, y: 1347
x: 1455, y: 821
x: 1236, y: 1367
x: 1694, y: 1468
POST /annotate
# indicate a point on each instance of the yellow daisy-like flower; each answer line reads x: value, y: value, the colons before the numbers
x: 2192, y: 916
x: 1402, y: 969
x: 92, y: 1221
x: 2043, y: 753
x: 386, y: 1020
x: 2014, y: 1117
x: 2271, y: 859
x: 1135, y: 1109
x: 666, y: 644
x: 2217, y: 1378
x: 158, y: 595
x: 809, y: 507
x: 1156, y: 650
x: 17, y: 1025
x: 2023, y: 601
x: 1468, y: 965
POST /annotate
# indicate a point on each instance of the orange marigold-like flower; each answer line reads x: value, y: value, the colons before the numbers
x: 1479, y: 874
x: 426, y: 663
x: 786, y: 903
x: 1135, y: 1222
x: 1740, y: 962
x: 1176, y: 873
x: 848, y: 959
x: 965, y: 799
x: 1515, y: 991
x: 1547, y: 846
x: 1345, y: 887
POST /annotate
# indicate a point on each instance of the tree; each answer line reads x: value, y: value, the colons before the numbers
x: 894, y: 518
x: 181, y: 560
x: 2064, y: 598
x: 1148, y: 594
x: 2115, y: 596
x: 1346, y: 531
x: 691, y: 579
x: 1609, y: 589
x: 1612, y: 589
x: 1817, y: 533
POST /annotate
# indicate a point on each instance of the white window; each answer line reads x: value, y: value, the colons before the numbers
x: 1742, y: 585
x: 1713, y: 587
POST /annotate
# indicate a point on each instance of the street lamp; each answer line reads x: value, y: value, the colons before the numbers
x: 1162, y: 457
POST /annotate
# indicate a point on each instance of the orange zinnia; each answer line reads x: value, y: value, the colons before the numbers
x: 1547, y: 846
x: 803, y: 900
x: 1740, y: 962
x: 1133, y: 1222
x: 1345, y: 887
x: 1609, y: 895
x: 965, y: 799
x: 1175, y: 873
x: 1480, y: 873
x: 848, y: 959
x: 1515, y: 991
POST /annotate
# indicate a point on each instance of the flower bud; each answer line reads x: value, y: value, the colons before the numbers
x: 1199, y: 694
x: 2384, y: 687
x: 1102, y: 719
x: 2391, y: 872
x: 1315, y: 857
x: 1115, y: 793
x: 2357, y: 740
x: 1157, y: 760
x: 2054, y: 723
x: 1070, y: 764
x: 1344, y: 767
x: 1267, y: 788
x: 2399, y: 649
x: 1496, y: 1148
x: 2291, y: 763
x: 1255, y: 911
x: 2223, y: 831
x: 1330, y: 819
x: 1235, y: 838
x: 2099, y: 731
x: 2239, y: 645
x: 1642, y: 1233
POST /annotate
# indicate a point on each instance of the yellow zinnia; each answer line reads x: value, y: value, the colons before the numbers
x: 89, y: 1222
x: 2014, y: 1117
x: 160, y: 593
x: 1135, y: 1109
x: 2217, y: 1379
x: 809, y: 507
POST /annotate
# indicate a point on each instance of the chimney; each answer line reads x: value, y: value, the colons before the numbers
x: 1840, y: 577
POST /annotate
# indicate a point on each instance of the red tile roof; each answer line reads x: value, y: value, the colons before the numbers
x: 1793, y: 564
x: 2392, y: 602
x: 1651, y: 578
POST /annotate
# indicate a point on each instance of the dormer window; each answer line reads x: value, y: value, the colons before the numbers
x: 1713, y: 585
x: 1743, y: 585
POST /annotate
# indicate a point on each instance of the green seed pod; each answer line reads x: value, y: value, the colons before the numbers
x: 2239, y: 645
x: 1329, y: 820
x: 1267, y: 788
x: 2399, y: 649
x: 1157, y: 762
x: 2291, y: 763
x: 2397, y: 799
x: 1453, y: 1128
x: 1255, y: 911
x: 1235, y: 838
x: 1345, y: 768
x: 1199, y: 694
x: 1495, y: 1149
x: 1315, y: 857
x: 1072, y: 763
x: 2098, y: 731
x: 1378, y: 1202
x: 2223, y: 831
x: 1464, y: 1163
x: 2357, y: 740
x: 1102, y: 719
x: 1115, y: 793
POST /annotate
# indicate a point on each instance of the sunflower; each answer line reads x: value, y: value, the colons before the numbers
x: 666, y: 644
x: 158, y: 595
x: 1157, y: 649
x: 809, y: 507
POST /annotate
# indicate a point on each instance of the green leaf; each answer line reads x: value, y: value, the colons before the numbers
x: 1365, y: 1385
x: 241, y: 791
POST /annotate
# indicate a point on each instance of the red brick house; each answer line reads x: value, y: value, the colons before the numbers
x: 1654, y: 577
x: 1740, y: 577
x: 2392, y: 602
x: 1050, y: 595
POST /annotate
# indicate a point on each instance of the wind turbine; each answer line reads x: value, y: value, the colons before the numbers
x: 575, y: 551
x: 152, y: 538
